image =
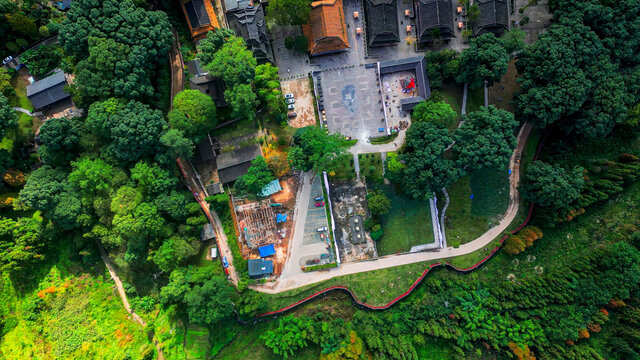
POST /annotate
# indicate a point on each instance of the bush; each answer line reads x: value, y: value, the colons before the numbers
x: 22, y: 43
x: 301, y: 43
x: 44, y: 31
x: 14, y: 178
x: 288, y: 42
x: 319, y: 267
x: 12, y: 46
x: 516, y: 244
x: 377, y: 235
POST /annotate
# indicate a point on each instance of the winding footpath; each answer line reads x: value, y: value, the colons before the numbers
x: 478, y: 244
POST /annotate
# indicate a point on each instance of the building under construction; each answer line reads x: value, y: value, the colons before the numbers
x: 257, y: 223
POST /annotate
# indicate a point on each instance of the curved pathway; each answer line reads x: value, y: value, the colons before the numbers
x: 481, y: 242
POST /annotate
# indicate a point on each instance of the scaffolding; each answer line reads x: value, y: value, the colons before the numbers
x: 257, y: 223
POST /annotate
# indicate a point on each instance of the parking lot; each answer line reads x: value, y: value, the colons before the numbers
x: 303, y: 107
x: 316, y: 217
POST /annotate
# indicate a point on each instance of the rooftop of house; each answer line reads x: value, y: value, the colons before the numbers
x: 494, y: 17
x: 248, y: 23
x: 326, y: 29
x: 434, y: 15
x: 259, y: 268
x: 201, y: 17
x: 48, y: 90
x: 231, y: 165
x: 417, y: 64
x: 382, y: 22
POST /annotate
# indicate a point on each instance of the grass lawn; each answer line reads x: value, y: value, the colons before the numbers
x: 344, y: 169
x: 370, y: 166
x: 475, y: 99
x: 505, y: 89
x: 406, y: 225
x: 20, y: 99
x: 461, y: 226
x: 490, y: 190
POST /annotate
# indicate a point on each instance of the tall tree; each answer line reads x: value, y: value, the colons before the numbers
x: 212, y: 43
x: 233, y: 63
x: 193, y: 113
x: 132, y: 130
x: 485, y: 139
x: 289, y: 12
x: 8, y: 117
x: 267, y: 84
x: 514, y: 40
x: 60, y: 139
x: 209, y: 303
x: 44, y: 188
x: 5, y: 83
x: 21, y: 244
x: 178, y: 145
x: 426, y: 169
x: 437, y: 112
x: 553, y: 186
x: 484, y: 60
x: 242, y: 100
x: 91, y: 175
x: 315, y: 149
x: 152, y: 179
x: 256, y: 178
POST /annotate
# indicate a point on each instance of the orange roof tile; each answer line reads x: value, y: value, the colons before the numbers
x: 326, y: 29
x: 199, y: 31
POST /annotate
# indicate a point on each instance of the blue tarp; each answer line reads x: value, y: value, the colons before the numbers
x: 267, y: 250
x: 280, y: 218
x: 271, y: 188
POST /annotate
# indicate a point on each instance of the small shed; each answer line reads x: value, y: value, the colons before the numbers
x: 266, y: 251
x: 259, y: 268
x: 207, y: 233
x: 214, y: 189
x: 271, y: 188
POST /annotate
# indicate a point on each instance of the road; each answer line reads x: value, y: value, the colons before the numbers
x: 191, y: 178
x: 479, y: 243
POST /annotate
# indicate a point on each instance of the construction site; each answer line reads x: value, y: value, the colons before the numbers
x: 264, y: 226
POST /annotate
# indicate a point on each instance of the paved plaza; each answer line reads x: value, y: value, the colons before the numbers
x: 352, y: 102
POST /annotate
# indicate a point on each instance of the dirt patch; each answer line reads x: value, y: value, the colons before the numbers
x: 349, y: 200
x: 304, y: 109
x: 501, y: 93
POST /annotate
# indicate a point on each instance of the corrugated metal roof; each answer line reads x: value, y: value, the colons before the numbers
x: 271, y: 188
x: 46, y: 83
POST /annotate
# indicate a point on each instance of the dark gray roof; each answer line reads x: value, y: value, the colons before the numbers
x: 248, y: 22
x: 409, y: 103
x: 207, y: 232
x: 434, y: 14
x: 230, y: 5
x: 382, y: 22
x: 206, y: 84
x: 418, y: 64
x: 232, y: 158
x: 494, y: 17
x: 204, y: 151
x: 259, y: 268
x: 197, y: 13
x: 48, y: 90
x: 215, y: 188
x: 232, y: 173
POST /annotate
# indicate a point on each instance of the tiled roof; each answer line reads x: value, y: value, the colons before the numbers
x: 48, y: 90
x: 434, y: 14
x: 248, y: 23
x: 494, y: 17
x: 326, y: 29
x: 201, y: 17
x: 382, y: 22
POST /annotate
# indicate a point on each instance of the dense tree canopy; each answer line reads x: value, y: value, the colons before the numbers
x: 553, y: 186
x: 8, y: 117
x: 119, y: 48
x: 426, y: 169
x: 267, y: 84
x: 44, y: 188
x: 256, y: 178
x: 442, y: 66
x: 212, y: 43
x: 289, y: 12
x: 233, y: 63
x: 486, y: 139
x: 437, y: 112
x: 193, y: 113
x: 60, y: 139
x: 484, y: 60
x: 132, y: 130
x: 580, y: 74
x: 315, y: 149
x: 514, y: 40
x: 177, y: 144
x: 21, y: 244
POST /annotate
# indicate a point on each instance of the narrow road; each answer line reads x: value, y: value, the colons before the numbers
x: 403, y: 259
x: 356, y: 165
x: 191, y: 178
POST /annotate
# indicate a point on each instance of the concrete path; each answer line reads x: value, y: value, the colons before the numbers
x: 25, y: 111
x: 383, y: 158
x: 435, y: 223
x: 464, y: 99
x: 486, y: 95
x: 403, y: 259
x: 356, y: 165
x: 295, y: 250
x: 365, y: 147
x: 443, y: 239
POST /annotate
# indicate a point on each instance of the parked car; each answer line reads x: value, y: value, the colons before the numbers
x: 7, y: 60
x: 318, y: 198
x: 292, y: 114
x: 291, y: 101
x: 322, y: 229
x: 225, y: 262
x: 318, y: 204
x: 290, y: 107
x: 289, y: 96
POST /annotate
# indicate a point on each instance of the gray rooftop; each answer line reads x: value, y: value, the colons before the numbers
x: 248, y: 23
x: 236, y: 157
x: 417, y: 64
x: 432, y: 15
x: 494, y: 17
x: 48, y: 90
x: 230, y: 5
x: 382, y: 22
